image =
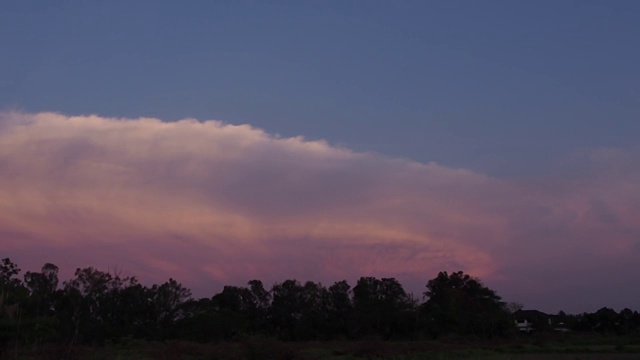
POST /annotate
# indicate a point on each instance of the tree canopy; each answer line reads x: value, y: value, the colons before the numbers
x: 95, y: 306
x: 459, y: 303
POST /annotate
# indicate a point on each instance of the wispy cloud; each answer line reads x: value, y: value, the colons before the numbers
x: 212, y: 204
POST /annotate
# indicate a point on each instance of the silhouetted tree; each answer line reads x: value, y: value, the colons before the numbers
x: 314, y: 301
x: 95, y: 306
x: 167, y: 299
x: 199, y: 322
x: 42, y: 287
x: 40, y: 323
x: 604, y: 321
x: 625, y: 322
x: 286, y: 308
x: 8, y: 274
x: 232, y: 308
x: 382, y: 307
x: 13, y: 297
x: 458, y: 303
x: 340, y: 309
x: 259, y: 315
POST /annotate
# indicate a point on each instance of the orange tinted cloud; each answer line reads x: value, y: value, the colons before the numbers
x: 212, y: 204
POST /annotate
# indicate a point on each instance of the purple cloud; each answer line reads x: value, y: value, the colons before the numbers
x: 212, y: 204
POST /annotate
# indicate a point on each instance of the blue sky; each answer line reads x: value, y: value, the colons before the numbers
x: 502, y: 87
x: 495, y: 137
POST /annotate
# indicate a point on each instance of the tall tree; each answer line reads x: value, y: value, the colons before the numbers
x: 286, y: 308
x: 315, y: 311
x: 459, y: 303
x: 167, y: 300
x: 381, y: 307
x: 233, y: 307
x: 340, y: 308
x: 259, y: 316
x: 42, y: 287
x: 103, y: 305
x: 13, y: 296
x: 8, y: 274
x: 12, y: 291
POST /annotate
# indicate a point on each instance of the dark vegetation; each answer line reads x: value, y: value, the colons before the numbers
x: 97, y: 309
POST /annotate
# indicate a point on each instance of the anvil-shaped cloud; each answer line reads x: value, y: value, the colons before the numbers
x: 214, y: 204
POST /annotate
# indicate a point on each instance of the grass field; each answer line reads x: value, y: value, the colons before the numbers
x: 557, y: 348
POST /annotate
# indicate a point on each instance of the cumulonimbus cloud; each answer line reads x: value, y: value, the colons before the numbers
x: 212, y: 204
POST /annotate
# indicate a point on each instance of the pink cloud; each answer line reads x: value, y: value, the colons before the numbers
x: 212, y: 204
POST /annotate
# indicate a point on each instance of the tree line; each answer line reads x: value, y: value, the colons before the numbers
x: 96, y: 306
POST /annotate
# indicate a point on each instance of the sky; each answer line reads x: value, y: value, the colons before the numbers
x: 219, y: 142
